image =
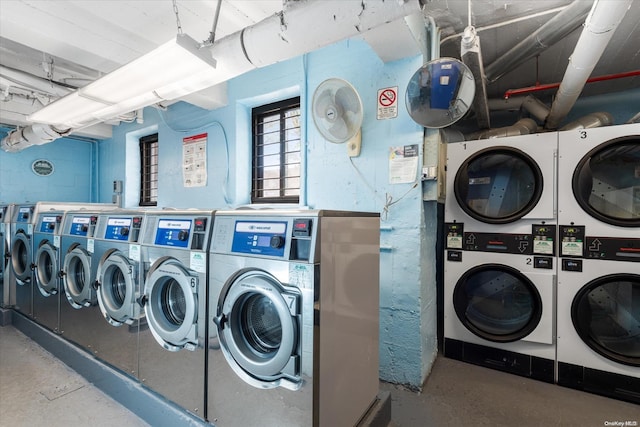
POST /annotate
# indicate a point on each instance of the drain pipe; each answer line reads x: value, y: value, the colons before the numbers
x: 553, y: 31
x: 36, y: 134
x: 604, y: 18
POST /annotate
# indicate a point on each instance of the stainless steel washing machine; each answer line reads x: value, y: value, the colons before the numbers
x: 80, y: 316
x: 47, y: 261
x: 119, y: 285
x: 172, y: 350
x: 6, y: 212
x: 21, y: 253
x: 293, y: 318
x: 599, y: 266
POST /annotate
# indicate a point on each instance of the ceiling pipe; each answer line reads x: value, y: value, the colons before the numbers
x: 531, y: 104
x: 604, y: 18
x: 20, y: 79
x: 472, y: 57
x: 538, y: 88
x: 301, y: 27
x: 551, y: 32
x: 521, y: 127
x: 590, y: 121
x: 36, y: 134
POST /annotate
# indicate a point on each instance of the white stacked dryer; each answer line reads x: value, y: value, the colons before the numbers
x: 500, y: 266
x: 293, y: 318
x: 119, y: 281
x: 172, y: 349
x: 5, y: 243
x: 599, y: 275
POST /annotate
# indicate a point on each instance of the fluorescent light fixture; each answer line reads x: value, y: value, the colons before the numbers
x: 175, y: 69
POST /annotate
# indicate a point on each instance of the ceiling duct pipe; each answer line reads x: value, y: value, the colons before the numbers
x: 521, y: 127
x: 604, y: 18
x: 553, y: 31
x: 20, y: 79
x: 530, y: 103
x: 36, y: 134
x: 472, y: 58
x: 593, y: 120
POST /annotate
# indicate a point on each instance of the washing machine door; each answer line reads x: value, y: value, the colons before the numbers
x: 118, y: 288
x: 606, y: 316
x: 497, y: 303
x: 498, y: 185
x: 257, y: 321
x: 77, y: 278
x: 171, y: 305
x: 606, y: 182
x: 46, y: 269
x: 21, y: 257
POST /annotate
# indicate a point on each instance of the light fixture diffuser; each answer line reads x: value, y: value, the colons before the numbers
x: 175, y: 69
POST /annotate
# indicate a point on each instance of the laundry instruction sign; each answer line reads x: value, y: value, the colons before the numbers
x: 194, y: 160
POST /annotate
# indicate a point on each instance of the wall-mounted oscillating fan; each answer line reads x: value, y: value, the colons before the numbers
x: 337, y: 113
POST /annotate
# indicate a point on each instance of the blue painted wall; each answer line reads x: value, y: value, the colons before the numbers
x: 72, y: 181
x: 407, y: 288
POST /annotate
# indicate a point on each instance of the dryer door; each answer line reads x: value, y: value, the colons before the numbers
x: 46, y: 269
x: 606, y: 182
x: 257, y: 322
x: 498, y: 185
x: 171, y: 307
x: 77, y: 278
x: 606, y: 316
x: 118, y: 288
x: 21, y: 257
x: 497, y: 303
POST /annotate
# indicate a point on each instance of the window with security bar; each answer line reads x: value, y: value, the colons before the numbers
x: 276, y: 152
x: 149, y: 170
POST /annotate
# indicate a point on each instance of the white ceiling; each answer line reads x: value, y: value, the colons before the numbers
x: 74, y: 42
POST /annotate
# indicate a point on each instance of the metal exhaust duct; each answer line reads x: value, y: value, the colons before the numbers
x: 521, y: 127
x: 472, y: 58
x: 36, y: 134
x: 593, y: 120
x: 604, y: 18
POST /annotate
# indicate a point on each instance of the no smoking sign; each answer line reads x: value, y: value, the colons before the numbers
x: 387, y: 103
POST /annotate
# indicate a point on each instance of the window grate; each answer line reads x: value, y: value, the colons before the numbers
x: 276, y: 165
x: 149, y: 170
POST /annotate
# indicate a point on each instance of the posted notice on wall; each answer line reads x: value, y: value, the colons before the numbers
x: 194, y: 160
x: 403, y: 164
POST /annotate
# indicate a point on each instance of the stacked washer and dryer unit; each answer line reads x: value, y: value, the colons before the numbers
x: 500, y: 265
x: 599, y: 271
x: 293, y: 317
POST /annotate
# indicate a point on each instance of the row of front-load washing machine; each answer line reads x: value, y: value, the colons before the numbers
x: 236, y: 316
x: 542, y: 266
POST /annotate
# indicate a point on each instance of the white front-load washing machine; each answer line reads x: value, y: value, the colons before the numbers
x: 293, y: 317
x: 21, y: 254
x: 6, y: 212
x: 80, y: 316
x: 119, y: 280
x: 172, y: 346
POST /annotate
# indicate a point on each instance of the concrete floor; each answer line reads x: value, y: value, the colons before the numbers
x: 36, y: 389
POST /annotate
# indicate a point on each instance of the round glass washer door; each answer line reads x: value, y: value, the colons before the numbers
x: 78, y: 288
x: 21, y: 257
x: 257, y: 326
x: 606, y: 316
x: 46, y: 269
x: 118, y: 289
x: 606, y: 182
x: 497, y: 303
x: 171, y: 305
x: 498, y: 185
